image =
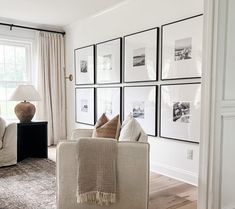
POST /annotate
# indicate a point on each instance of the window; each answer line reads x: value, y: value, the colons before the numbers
x: 15, y: 65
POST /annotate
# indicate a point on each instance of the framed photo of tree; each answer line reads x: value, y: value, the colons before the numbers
x: 84, y: 61
x: 182, y: 49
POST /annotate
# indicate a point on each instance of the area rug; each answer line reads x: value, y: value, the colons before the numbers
x: 28, y: 185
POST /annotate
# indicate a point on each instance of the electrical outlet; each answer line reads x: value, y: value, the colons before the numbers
x: 190, y: 154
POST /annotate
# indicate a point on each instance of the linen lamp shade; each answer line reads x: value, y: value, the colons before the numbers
x: 25, y: 110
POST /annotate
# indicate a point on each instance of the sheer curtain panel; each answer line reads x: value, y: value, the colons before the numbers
x: 51, y: 84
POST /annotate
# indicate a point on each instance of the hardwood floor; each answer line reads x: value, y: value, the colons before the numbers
x: 167, y: 193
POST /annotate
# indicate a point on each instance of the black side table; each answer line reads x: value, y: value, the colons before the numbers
x: 31, y: 140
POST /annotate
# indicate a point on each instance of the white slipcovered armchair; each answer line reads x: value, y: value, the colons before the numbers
x: 132, y: 175
x: 8, y: 143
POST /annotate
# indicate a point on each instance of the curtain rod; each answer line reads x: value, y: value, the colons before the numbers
x: 30, y: 28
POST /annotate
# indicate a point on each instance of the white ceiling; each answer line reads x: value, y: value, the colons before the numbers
x: 56, y: 13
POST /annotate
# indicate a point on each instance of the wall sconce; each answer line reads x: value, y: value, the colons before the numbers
x: 70, y: 77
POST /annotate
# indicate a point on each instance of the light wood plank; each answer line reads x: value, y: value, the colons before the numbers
x: 167, y: 193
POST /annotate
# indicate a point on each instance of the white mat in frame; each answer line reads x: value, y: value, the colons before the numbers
x: 108, y: 101
x: 85, y: 105
x: 141, y: 102
x: 180, y: 111
x: 84, y: 62
x: 182, y: 49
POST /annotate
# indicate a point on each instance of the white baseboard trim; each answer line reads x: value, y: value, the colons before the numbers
x: 175, y: 173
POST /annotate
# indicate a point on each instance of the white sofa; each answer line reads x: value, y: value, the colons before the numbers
x: 8, y: 143
x: 132, y: 175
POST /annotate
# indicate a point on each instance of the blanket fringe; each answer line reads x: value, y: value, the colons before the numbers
x: 97, y: 197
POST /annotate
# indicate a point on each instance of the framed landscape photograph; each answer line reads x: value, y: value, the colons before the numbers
x: 182, y: 49
x: 109, y: 61
x: 181, y: 112
x: 84, y: 62
x: 141, y: 56
x: 141, y: 102
x: 85, y: 105
x: 108, y: 101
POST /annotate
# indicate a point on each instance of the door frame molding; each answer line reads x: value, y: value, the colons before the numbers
x: 214, y: 63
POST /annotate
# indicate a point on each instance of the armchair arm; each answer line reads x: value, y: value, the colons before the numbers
x: 8, y: 153
x: 77, y: 133
x: 10, y: 136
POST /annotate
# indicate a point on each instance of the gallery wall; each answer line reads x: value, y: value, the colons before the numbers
x: 168, y: 157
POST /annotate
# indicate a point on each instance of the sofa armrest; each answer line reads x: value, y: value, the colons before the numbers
x: 132, y: 176
x: 66, y: 174
x: 77, y: 133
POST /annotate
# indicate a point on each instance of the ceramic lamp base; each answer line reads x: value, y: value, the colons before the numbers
x: 25, y: 111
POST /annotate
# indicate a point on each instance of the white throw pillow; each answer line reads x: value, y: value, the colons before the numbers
x: 2, y: 130
x: 132, y: 131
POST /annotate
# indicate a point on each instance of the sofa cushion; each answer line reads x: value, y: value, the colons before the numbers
x: 2, y: 130
x: 106, y: 128
x: 132, y: 131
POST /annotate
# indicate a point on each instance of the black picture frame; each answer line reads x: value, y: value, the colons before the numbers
x: 120, y: 102
x: 160, y: 113
x: 155, y: 106
x: 162, y: 45
x: 119, y: 80
x: 156, y: 57
x: 93, y: 109
x: 92, y: 46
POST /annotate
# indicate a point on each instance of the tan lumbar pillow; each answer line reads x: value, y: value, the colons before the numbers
x: 106, y: 128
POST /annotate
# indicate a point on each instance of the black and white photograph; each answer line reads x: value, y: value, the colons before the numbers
x: 141, y: 56
x: 108, y: 100
x: 182, y: 49
x: 138, y: 109
x: 85, y: 105
x: 141, y: 103
x: 84, y: 63
x: 108, y: 61
x: 180, y: 112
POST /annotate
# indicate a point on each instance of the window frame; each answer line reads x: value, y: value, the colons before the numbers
x: 28, y: 45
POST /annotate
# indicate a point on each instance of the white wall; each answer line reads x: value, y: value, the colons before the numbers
x: 16, y: 33
x: 167, y: 156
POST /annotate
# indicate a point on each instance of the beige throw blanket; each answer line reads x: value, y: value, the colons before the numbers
x: 96, y: 171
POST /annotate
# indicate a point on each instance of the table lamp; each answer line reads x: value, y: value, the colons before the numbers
x: 25, y: 110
